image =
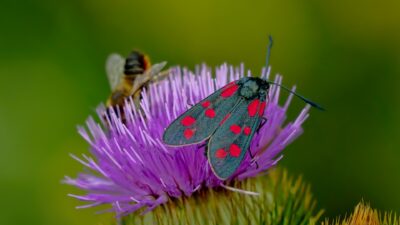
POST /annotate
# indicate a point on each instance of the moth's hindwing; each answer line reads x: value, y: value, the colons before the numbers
x: 230, y: 142
x: 200, y: 121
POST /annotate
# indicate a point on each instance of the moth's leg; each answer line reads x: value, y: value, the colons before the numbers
x: 263, y: 122
x: 206, y: 150
x: 252, y: 158
x: 189, y: 104
x: 205, y: 144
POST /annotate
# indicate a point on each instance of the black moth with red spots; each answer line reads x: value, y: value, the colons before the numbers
x: 228, y: 119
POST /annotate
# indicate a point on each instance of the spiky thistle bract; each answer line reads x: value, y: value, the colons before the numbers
x: 282, y: 200
x: 363, y: 214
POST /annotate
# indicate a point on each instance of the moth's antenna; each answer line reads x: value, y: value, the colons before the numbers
x: 271, y: 42
x: 313, y: 104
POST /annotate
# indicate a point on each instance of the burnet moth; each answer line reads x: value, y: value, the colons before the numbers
x: 228, y: 119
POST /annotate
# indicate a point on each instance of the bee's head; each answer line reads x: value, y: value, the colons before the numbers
x: 136, y: 63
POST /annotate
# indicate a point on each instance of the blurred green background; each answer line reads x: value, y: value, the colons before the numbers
x: 342, y: 54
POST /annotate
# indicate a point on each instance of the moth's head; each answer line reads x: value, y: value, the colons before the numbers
x: 252, y: 87
x: 264, y: 85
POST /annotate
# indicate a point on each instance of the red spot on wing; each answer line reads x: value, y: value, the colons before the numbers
x: 188, y: 133
x: 225, y: 118
x: 205, y: 104
x: 252, y: 107
x: 210, y: 113
x: 235, y: 129
x: 221, y: 153
x: 262, y: 108
x: 234, y: 150
x: 247, y: 130
x: 229, y: 85
x: 229, y: 90
x: 187, y: 121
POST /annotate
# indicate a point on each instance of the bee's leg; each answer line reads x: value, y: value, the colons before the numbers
x: 263, y: 122
x: 161, y: 75
x: 252, y: 158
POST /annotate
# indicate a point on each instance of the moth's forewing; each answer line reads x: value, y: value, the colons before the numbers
x: 200, y: 121
x: 230, y: 142
x: 115, y: 70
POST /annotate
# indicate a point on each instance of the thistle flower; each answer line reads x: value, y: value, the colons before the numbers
x: 133, y: 170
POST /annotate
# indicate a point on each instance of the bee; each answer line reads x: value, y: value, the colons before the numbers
x: 128, y: 76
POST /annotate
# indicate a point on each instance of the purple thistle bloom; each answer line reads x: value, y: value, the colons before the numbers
x: 132, y: 167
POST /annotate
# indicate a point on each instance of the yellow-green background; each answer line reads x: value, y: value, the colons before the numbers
x: 343, y: 54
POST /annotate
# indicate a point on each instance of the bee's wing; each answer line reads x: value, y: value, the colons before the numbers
x: 161, y: 75
x: 147, y: 76
x: 115, y: 70
x: 156, y: 68
x: 230, y: 142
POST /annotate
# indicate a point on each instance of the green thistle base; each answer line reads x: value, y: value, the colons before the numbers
x: 282, y: 200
